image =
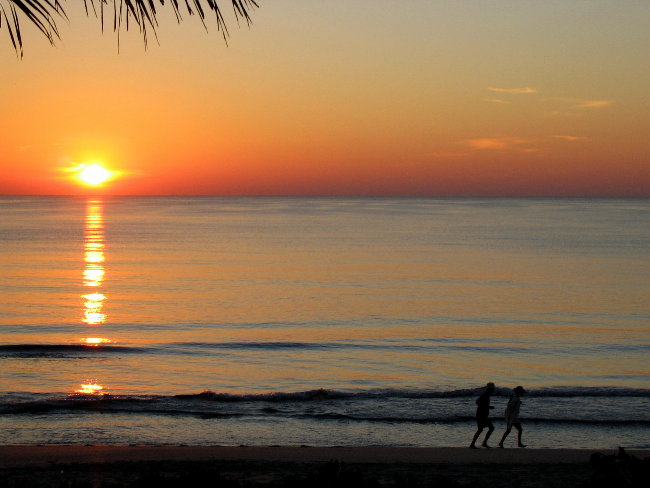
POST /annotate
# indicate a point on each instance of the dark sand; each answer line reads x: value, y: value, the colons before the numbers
x: 340, y: 467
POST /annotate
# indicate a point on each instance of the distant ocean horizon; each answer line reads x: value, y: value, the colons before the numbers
x: 322, y: 320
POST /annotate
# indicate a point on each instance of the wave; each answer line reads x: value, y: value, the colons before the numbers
x: 208, y: 348
x: 44, y: 350
x: 283, y: 345
x: 467, y: 418
x: 323, y: 394
x: 607, y: 406
x: 173, y: 406
x: 256, y: 345
x: 587, y: 391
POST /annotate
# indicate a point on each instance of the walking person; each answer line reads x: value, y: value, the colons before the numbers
x: 512, y: 415
x: 482, y: 416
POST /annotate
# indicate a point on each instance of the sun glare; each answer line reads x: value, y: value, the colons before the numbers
x: 93, y: 174
x: 90, y: 389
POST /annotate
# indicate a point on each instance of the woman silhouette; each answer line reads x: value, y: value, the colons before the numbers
x: 512, y: 415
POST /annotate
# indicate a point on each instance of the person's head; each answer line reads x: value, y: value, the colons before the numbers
x: 490, y: 387
x: 519, y: 390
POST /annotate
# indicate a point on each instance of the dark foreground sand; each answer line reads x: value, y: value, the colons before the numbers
x: 340, y: 467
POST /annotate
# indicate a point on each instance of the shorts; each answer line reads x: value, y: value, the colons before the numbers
x: 483, y: 422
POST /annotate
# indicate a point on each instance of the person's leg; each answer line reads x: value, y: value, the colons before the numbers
x: 519, y: 432
x: 476, y: 436
x: 487, y: 436
x: 505, y: 434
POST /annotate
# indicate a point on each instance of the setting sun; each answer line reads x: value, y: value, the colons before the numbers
x: 93, y: 174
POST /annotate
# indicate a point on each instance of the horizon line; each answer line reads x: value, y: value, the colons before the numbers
x: 208, y: 195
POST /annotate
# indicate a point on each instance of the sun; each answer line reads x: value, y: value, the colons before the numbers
x: 93, y: 174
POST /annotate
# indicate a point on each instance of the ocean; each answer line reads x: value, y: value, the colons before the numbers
x: 322, y: 321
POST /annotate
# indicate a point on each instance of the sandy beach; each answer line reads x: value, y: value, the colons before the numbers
x: 75, y: 465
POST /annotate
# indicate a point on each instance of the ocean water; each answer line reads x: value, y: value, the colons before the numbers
x: 322, y: 321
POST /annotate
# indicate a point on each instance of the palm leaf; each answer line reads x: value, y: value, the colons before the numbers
x: 43, y: 14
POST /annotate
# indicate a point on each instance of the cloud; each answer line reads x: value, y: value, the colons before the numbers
x: 495, y: 100
x: 498, y: 143
x: 570, y: 138
x: 69, y: 166
x: 517, y: 91
x: 583, y: 103
x: 594, y: 103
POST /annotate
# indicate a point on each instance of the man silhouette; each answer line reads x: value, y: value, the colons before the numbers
x: 482, y: 416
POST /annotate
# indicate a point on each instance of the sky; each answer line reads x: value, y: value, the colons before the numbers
x: 338, y: 97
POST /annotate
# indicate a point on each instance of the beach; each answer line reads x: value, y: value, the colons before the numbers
x: 75, y: 465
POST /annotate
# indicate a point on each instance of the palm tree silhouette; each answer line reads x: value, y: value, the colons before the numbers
x: 45, y: 13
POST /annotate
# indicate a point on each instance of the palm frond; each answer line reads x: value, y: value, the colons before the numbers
x: 43, y: 14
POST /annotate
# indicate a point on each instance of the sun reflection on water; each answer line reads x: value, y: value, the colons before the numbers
x: 95, y: 341
x: 93, y: 299
x: 90, y: 388
x: 94, y: 258
x: 93, y: 314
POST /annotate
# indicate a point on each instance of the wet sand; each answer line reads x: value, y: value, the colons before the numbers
x: 76, y: 466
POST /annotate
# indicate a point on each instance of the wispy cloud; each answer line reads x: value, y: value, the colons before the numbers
x: 594, y: 103
x: 499, y: 143
x: 495, y: 100
x: 583, y: 103
x: 570, y: 138
x: 516, y: 91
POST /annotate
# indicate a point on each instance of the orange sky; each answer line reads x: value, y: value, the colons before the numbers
x: 340, y: 98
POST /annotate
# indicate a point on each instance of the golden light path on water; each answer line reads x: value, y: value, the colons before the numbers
x: 93, y: 279
x: 93, y: 274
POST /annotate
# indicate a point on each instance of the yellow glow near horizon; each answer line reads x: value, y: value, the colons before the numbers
x: 93, y: 174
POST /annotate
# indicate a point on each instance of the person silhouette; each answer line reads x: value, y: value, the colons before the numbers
x: 512, y: 415
x: 482, y: 416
